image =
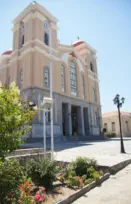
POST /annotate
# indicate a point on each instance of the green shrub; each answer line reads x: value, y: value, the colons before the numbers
x: 92, y: 173
x: 73, y: 181
x: 89, y: 180
x: 104, y: 130
x: 80, y: 165
x: 15, y: 117
x: 84, y: 177
x: 11, y: 177
x: 42, y: 171
x: 110, y: 135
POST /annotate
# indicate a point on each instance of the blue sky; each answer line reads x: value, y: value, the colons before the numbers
x: 105, y: 24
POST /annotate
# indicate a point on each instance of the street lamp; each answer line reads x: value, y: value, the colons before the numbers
x: 45, y: 106
x: 118, y: 102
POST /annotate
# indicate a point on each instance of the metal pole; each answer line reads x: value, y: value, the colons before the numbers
x: 51, y: 110
x: 44, y: 134
x: 122, y: 144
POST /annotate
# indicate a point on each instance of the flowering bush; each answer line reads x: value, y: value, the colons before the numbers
x: 25, y: 193
x: 40, y: 195
x: 11, y: 177
x: 26, y: 196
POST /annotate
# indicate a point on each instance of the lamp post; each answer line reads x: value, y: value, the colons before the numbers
x: 118, y: 102
x: 51, y: 108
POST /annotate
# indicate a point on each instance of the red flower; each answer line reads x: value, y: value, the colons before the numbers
x: 12, y: 195
x: 22, y: 188
x: 28, y: 192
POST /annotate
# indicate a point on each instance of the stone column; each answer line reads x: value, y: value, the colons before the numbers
x: 80, y: 121
x: 68, y: 120
x: 86, y: 121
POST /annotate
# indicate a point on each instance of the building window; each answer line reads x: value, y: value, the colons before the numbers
x: 94, y: 95
x: 20, y: 79
x: 22, y: 33
x: 113, y: 127
x: 63, y: 78
x: 127, y: 127
x: 83, y: 87
x: 105, y: 126
x: 47, y: 115
x: 9, y: 81
x: 96, y: 119
x: 46, y: 38
x: 73, y: 80
x: 46, y: 76
x: 91, y: 67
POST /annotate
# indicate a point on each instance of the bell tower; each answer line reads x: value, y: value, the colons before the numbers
x: 33, y: 23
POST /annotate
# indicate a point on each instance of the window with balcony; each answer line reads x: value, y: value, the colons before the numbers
x: 73, y: 79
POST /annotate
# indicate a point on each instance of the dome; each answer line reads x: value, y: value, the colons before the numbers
x: 79, y: 42
x: 7, y: 52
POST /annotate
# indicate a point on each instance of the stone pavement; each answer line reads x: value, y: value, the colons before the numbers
x: 116, y: 190
x: 107, y: 153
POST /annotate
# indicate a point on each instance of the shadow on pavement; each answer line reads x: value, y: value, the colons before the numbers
x: 69, y: 145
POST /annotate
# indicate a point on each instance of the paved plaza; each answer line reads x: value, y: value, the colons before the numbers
x: 116, y: 190
x: 106, y: 152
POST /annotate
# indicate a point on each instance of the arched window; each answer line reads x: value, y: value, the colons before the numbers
x: 22, y: 33
x: 94, y: 95
x: 20, y: 79
x: 91, y: 67
x: 9, y: 81
x: 46, y: 38
x: 46, y: 76
x: 83, y: 86
x: 127, y: 127
x: 73, y: 79
x: 63, y: 78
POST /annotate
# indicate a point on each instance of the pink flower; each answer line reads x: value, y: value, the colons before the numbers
x: 42, y: 197
x: 19, y: 201
x: 42, y: 188
x: 37, y: 197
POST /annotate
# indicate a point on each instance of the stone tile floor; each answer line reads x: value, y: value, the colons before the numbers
x: 105, y: 152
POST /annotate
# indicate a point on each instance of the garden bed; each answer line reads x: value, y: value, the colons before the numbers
x: 66, y: 195
x: 44, y: 181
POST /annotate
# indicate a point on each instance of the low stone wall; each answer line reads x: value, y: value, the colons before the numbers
x: 24, y: 158
x: 84, y: 190
x: 27, y: 151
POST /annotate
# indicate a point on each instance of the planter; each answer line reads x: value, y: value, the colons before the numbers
x: 82, y: 191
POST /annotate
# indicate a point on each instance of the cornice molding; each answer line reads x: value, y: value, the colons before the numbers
x: 36, y: 48
x: 33, y: 7
x: 94, y: 79
x: 41, y: 43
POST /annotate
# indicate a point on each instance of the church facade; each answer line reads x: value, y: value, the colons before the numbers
x: 76, y: 98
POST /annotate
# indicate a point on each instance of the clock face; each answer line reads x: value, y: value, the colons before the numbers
x: 46, y: 25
